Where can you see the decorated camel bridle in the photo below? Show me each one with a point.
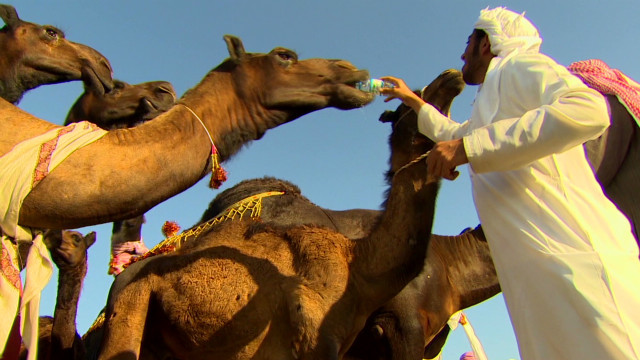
(218, 173)
(414, 161)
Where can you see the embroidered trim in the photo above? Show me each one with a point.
(251, 204)
(123, 253)
(9, 270)
(46, 151)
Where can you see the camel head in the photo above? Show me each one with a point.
(68, 248)
(124, 106)
(290, 84)
(34, 55)
(439, 93)
(127, 230)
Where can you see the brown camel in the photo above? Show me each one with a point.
(458, 272)
(281, 292)
(58, 337)
(237, 102)
(125, 106)
(34, 55)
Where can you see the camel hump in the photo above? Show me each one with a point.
(245, 189)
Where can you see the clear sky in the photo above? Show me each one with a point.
(338, 158)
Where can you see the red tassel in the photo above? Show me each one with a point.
(218, 173)
(170, 228)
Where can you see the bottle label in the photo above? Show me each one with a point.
(373, 85)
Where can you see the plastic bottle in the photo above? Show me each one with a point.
(373, 85)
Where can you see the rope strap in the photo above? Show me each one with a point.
(218, 173)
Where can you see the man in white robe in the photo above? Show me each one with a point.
(565, 256)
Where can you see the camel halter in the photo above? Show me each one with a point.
(414, 161)
(218, 173)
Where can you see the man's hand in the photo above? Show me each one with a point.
(445, 157)
(401, 91)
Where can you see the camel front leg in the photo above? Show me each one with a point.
(125, 321)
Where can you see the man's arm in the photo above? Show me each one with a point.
(565, 113)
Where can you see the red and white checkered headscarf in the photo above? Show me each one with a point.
(599, 76)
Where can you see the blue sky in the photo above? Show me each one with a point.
(338, 158)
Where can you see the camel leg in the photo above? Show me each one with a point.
(124, 323)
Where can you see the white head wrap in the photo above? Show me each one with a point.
(509, 33)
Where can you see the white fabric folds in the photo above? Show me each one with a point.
(17, 178)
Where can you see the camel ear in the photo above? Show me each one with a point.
(235, 47)
(388, 116)
(10, 16)
(90, 238)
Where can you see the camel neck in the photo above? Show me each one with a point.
(394, 252)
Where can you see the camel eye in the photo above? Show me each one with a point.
(52, 33)
(77, 239)
(287, 56)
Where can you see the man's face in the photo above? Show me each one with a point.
(473, 70)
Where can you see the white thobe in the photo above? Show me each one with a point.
(565, 256)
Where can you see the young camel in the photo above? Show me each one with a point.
(246, 290)
(30, 59)
(58, 337)
(135, 169)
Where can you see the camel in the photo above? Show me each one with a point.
(34, 55)
(278, 292)
(236, 102)
(614, 157)
(125, 106)
(458, 271)
(58, 337)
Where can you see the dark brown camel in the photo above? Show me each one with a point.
(290, 292)
(457, 273)
(135, 169)
(125, 106)
(58, 337)
(614, 157)
(34, 55)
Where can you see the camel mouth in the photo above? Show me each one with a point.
(98, 84)
(352, 97)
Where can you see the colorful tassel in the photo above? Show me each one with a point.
(170, 228)
(218, 173)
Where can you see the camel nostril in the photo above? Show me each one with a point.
(168, 89)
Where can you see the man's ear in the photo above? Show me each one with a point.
(485, 46)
